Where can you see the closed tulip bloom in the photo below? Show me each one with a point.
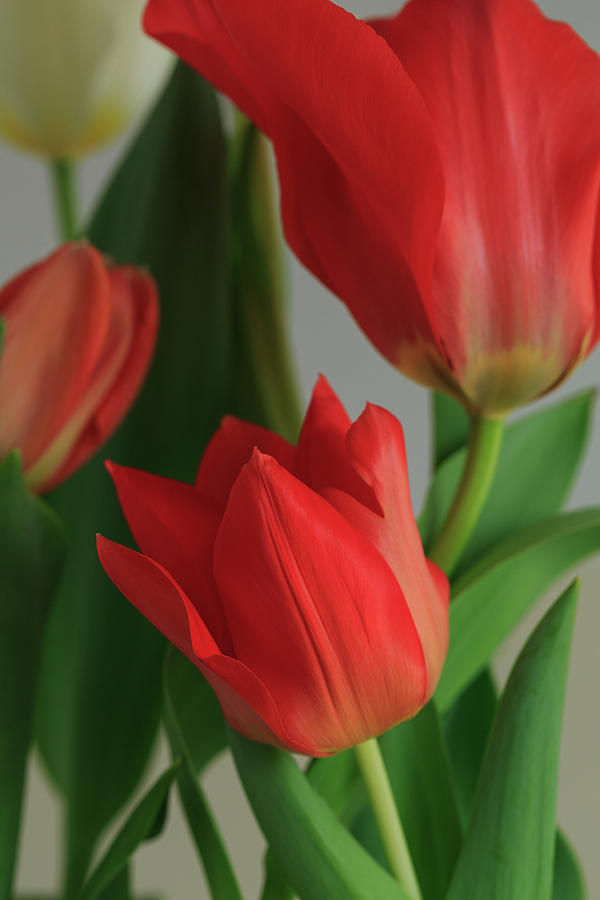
(78, 336)
(73, 73)
(292, 577)
(440, 172)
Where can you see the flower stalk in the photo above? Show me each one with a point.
(375, 776)
(63, 181)
(485, 441)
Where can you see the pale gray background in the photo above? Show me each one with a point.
(326, 341)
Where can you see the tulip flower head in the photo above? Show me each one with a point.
(440, 172)
(73, 73)
(292, 577)
(78, 339)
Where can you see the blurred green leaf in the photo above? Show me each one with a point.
(539, 459)
(190, 713)
(139, 827)
(568, 879)
(494, 595)
(265, 388)
(509, 848)
(166, 208)
(32, 549)
(317, 855)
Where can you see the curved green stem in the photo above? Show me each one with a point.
(63, 172)
(485, 441)
(375, 776)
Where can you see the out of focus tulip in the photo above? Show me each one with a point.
(293, 577)
(78, 339)
(440, 172)
(73, 73)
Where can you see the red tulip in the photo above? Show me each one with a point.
(78, 339)
(292, 577)
(439, 171)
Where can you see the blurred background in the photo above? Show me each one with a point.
(326, 340)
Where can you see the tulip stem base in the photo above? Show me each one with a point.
(63, 172)
(375, 776)
(485, 441)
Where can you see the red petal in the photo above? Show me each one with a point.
(362, 185)
(154, 592)
(515, 100)
(246, 702)
(121, 368)
(376, 447)
(314, 612)
(230, 448)
(321, 459)
(56, 317)
(175, 525)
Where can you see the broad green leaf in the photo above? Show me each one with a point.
(32, 548)
(138, 828)
(450, 427)
(467, 726)
(494, 595)
(119, 887)
(165, 209)
(568, 879)
(337, 780)
(317, 855)
(421, 779)
(539, 459)
(189, 708)
(508, 851)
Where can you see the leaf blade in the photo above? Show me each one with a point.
(509, 847)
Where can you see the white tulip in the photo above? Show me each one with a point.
(74, 73)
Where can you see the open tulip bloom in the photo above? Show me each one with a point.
(293, 577)
(439, 172)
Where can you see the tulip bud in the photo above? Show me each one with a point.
(292, 577)
(73, 73)
(78, 339)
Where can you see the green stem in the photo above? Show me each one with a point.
(63, 180)
(485, 441)
(375, 776)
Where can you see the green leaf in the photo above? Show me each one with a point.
(317, 855)
(166, 209)
(539, 459)
(450, 427)
(421, 779)
(265, 382)
(337, 780)
(467, 726)
(189, 706)
(509, 848)
(191, 701)
(138, 828)
(493, 596)
(568, 879)
(32, 549)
